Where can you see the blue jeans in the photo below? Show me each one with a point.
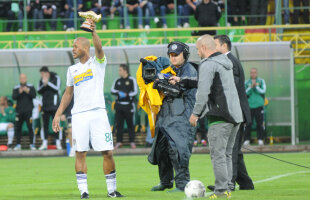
(149, 13)
(187, 12)
(149, 138)
(137, 10)
(37, 14)
(103, 11)
(181, 14)
(286, 12)
(53, 19)
(69, 14)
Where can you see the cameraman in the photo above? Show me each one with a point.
(174, 135)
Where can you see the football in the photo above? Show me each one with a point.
(195, 189)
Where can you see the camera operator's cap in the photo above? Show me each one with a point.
(175, 48)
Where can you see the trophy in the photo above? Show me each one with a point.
(89, 15)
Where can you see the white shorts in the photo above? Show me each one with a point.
(4, 126)
(93, 126)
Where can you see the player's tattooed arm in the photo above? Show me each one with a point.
(97, 42)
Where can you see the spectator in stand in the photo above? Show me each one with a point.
(36, 7)
(6, 12)
(207, 14)
(296, 13)
(7, 117)
(102, 7)
(69, 14)
(164, 5)
(125, 89)
(21, 14)
(258, 7)
(48, 87)
(149, 10)
(133, 6)
(286, 11)
(23, 94)
(189, 8)
(116, 6)
(238, 8)
(49, 11)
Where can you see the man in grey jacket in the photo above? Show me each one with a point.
(217, 98)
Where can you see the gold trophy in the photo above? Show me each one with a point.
(89, 15)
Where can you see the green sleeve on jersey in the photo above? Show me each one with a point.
(101, 60)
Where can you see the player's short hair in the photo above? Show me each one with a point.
(44, 69)
(125, 67)
(224, 39)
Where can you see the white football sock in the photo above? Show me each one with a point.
(111, 182)
(10, 135)
(82, 183)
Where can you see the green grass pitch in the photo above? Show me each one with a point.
(54, 178)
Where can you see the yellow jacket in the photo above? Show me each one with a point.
(150, 99)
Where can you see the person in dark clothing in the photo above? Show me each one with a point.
(174, 136)
(5, 11)
(103, 8)
(258, 7)
(305, 3)
(240, 174)
(132, 6)
(207, 14)
(125, 89)
(23, 93)
(238, 8)
(48, 87)
(49, 11)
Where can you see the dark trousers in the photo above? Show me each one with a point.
(240, 174)
(258, 115)
(201, 129)
(305, 13)
(122, 113)
(167, 161)
(258, 7)
(46, 115)
(19, 120)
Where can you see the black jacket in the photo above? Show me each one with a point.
(50, 92)
(239, 81)
(24, 101)
(127, 85)
(207, 14)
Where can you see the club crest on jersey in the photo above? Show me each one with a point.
(78, 79)
(127, 83)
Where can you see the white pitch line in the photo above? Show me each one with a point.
(277, 177)
(280, 176)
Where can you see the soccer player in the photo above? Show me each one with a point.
(89, 117)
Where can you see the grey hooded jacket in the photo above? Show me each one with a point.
(217, 95)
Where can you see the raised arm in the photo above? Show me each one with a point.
(97, 42)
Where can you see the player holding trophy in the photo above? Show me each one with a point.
(89, 117)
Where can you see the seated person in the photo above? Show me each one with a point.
(6, 12)
(133, 6)
(7, 117)
(69, 14)
(103, 9)
(49, 11)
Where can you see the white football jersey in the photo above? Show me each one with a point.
(88, 80)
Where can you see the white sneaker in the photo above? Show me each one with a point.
(104, 27)
(179, 26)
(32, 147)
(58, 145)
(121, 26)
(165, 26)
(260, 142)
(43, 147)
(140, 26)
(147, 27)
(127, 27)
(20, 30)
(17, 147)
(246, 143)
(186, 25)
(156, 20)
